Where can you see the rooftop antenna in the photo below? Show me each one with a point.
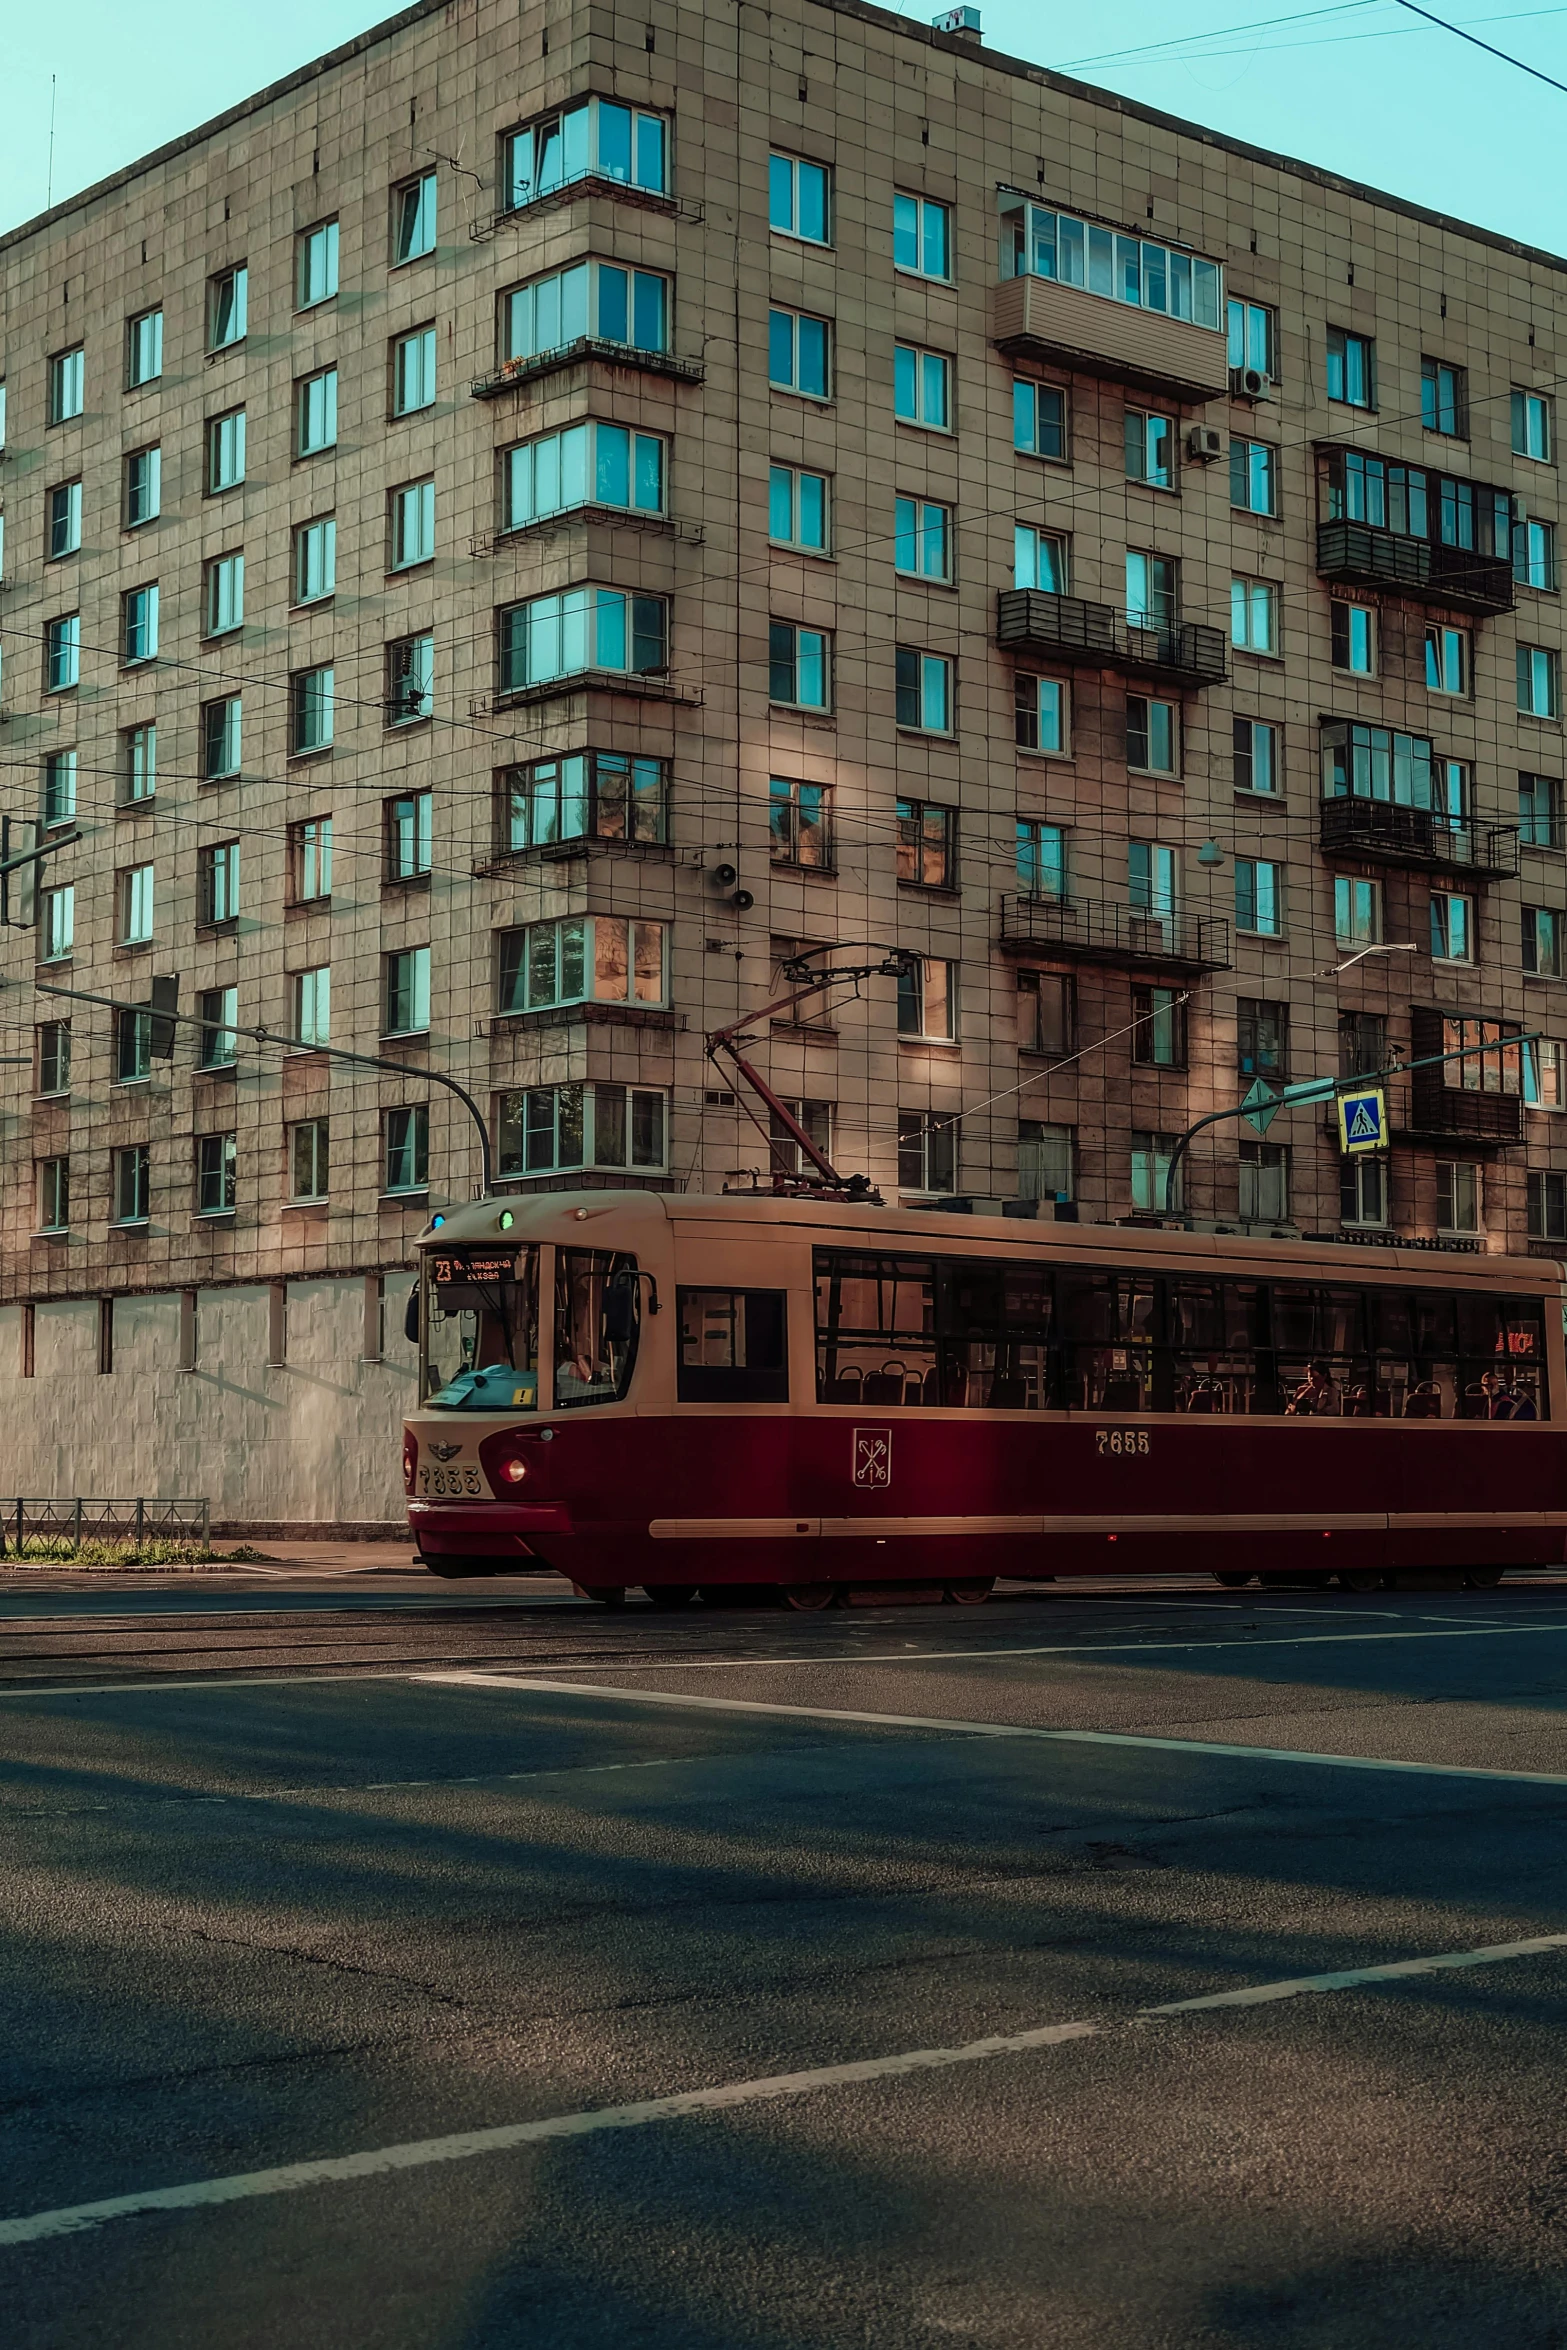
(49, 183)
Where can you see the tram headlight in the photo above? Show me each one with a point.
(513, 1470)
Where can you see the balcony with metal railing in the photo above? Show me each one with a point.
(1037, 625)
(1410, 531)
(1421, 838)
(1093, 930)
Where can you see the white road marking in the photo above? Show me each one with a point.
(950, 1724)
(461, 2146)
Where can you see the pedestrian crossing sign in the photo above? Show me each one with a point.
(1362, 1121)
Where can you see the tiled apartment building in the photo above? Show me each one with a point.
(535, 518)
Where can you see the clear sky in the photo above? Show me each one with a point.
(1361, 87)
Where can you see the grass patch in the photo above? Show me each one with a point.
(56, 1550)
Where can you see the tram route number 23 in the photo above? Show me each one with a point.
(1120, 1440)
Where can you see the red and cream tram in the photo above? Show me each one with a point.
(684, 1393)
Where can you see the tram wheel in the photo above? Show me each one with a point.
(1484, 1578)
(972, 1592)
(604, 1594)
(808, 1599)
(670, 1595)
(1360, 1578)
(1230, 1578)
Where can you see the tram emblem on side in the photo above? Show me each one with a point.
(873, 1456)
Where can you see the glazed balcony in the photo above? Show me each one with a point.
(1039, 626)
(1038, 318)
(1092, 930)
(1412, 532)
(1354, 554)
(1419, 838)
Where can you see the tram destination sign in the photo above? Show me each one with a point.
(471, 1264)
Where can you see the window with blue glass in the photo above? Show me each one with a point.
(586, 465)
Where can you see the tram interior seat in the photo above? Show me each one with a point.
(1122, 1395)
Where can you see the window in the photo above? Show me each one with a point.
(54, 1195)
(409, 835)
(797, 203)
(310, 711)
(143, 487)
(1159, 1039)
(579, 629)
(1262, 1038)
(1151, 1156)
(1259, 897)
(1153, 877)
(927, 1151)
(589, 795)
(138, 625)
(65, 519)
(1152, 590)
(800, 823)
(226, 307)
(138, 764)
(413, 525)
(1045, 1006)
(315, 560)
(1447, 659)
(928, 1000)
(2, 411)
(54, 1056)
(1254, 615)
(310, 852)
(217, 1174)
(1539, 681)
(1043, 714)
(1253, 336)
(797, 509)
(1038, 242)
(410, 680)
(1256, 756)
(797, 353)
(1254, 476)
(315, 265)
(133, 893)
(1363, 1191)
(1457, 1196)
(406, 1000)
(1353, 638)
(225, 597)
(551, 1128)
(1039, 419)
(1040, 559)
(923, 690)
(313, 1005)
(309, 1159)
(57, 924)
(1547, 1206)
(1150, 449)
(217, 882)
(1532, 433)
(584, 958)
(220, 739)
(733, 1346)
(1444, 398)
(923, 539)
(1351, 369)
(593, 139)
(413, 219)
(405, 1138)
(1375, 763)
(1041, 860)
(921, 236)
(1540, 812)
(218, 1045)
(591, 299)
(413, 371)
(1534, 555)
(133, 1184)
(67, 385)
(63, 652)
(1542, 942)
(1264, 1183)
(316, 412)
(1452, 928)
(785, 1157)
(1153, 735)
(225, 451)
(1357, 911)
(1046, 1161)
(921, 382)
(927, 845)
(586, 465)
(59, 787)
(798, 666)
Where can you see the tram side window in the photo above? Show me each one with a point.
(598, 1317)
(996, 1324)
(733, 1346)
(1107, 1334)
(875, 1329)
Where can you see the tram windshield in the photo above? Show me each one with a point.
(479, 1350)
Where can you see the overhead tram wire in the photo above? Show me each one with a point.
(1458, 32)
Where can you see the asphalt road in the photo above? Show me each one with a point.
(396, 1968)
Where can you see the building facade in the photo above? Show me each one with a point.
(525, 526)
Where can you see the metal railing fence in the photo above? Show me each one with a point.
(80, 1520)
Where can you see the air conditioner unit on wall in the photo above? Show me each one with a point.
(1204, 443)
(1249, 383)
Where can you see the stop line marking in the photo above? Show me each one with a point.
(463, 2145)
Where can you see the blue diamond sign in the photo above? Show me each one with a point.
(1362, 1121)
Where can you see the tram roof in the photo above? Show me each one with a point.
(609, 1219)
